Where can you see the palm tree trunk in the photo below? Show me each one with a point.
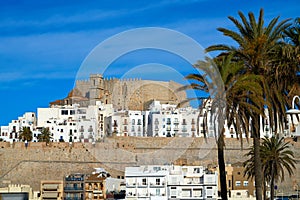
(272, 183)
(257, 165)
(222, 170)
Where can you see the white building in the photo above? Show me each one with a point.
(11, 132)
(126, 123)
(166, 120)
(170, 182)
(74, 123)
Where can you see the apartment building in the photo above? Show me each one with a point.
(18, 192)
(170, 182)
(146, 182)
(165, 120)
(239, 186)
(126, 123)
(74, 187)
(95, 186)
(11, 132)
(51, 189)
(72, 123)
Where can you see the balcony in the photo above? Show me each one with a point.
(131, 185)
(184, 123)
(176, 122)
(75, 178)
(184, 130)
(168, 122)
(154, 185)
(73, 198)
(73, 189)
(193, 129)
(141, 185)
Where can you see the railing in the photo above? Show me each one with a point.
(73, 198)
(73, 188)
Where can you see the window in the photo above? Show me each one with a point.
(196, 170)
(238, 183)
(144, 181)
(229, 183)
(197, 192)
(133, 121)
(72, 112)
(186, 193)
(245, 183)
(64, 112)
(157, 181)
(157, 192)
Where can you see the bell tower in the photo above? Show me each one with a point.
(96, 88)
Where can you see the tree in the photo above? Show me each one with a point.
(45, 135)
(276, 157)
(237, 84)
(25, 134)
(258, 47)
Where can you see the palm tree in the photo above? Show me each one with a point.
(25, 134)
(236, 84)
(291, 53)
(45, 136)
(276, 157)
(200, 82)
(258, 47)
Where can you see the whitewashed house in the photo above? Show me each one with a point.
(170, 182)
(11, 132)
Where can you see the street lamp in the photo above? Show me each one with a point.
(294, 111)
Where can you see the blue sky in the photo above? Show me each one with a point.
(43, 43)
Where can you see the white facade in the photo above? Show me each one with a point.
(126, 123)
(72, 123)
(293, 125)
(170, 182)
(11, 132)
(168, 121)
(146, 182)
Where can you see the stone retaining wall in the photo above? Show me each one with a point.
(47, 162)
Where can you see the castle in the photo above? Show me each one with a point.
(123, 94)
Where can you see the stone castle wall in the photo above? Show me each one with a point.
(133, 94)
(40, 162)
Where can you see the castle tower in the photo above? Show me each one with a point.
(96, 88)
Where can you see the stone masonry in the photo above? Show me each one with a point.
(41, 162)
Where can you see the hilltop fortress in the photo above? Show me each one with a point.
(123, 94)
